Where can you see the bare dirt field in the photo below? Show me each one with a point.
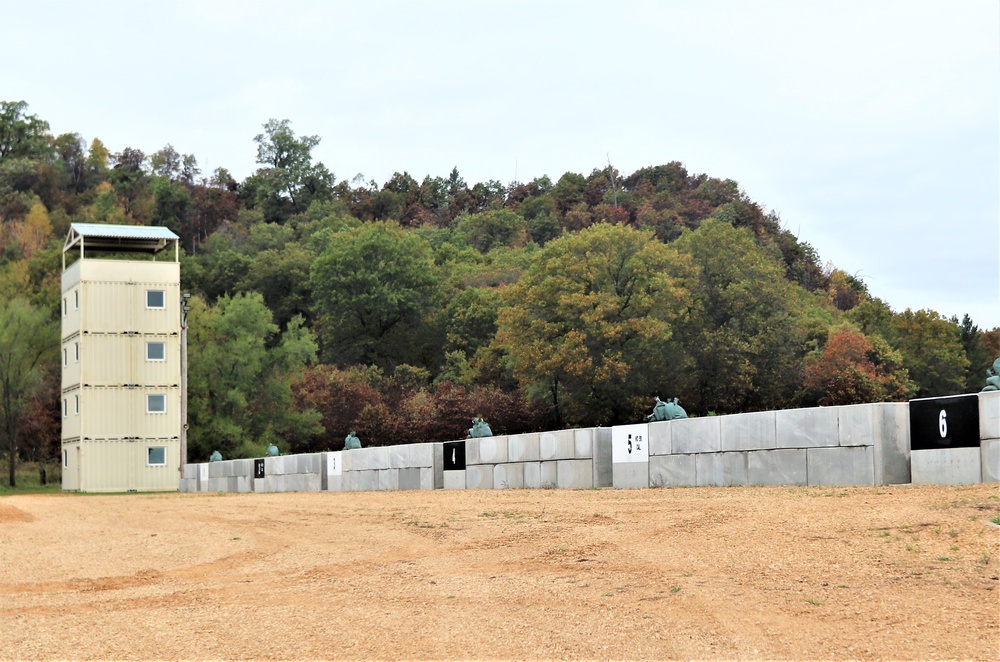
(711, 573)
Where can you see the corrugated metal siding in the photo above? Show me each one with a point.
(115, 360)
(120, 466)
(115, 412)
(71, 422)
(71, 472)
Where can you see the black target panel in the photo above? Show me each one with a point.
(454, 456)
(944, 423)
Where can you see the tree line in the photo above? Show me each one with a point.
(402, 310)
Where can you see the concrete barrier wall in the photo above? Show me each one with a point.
(852, 445)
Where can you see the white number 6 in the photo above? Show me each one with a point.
(943, 423)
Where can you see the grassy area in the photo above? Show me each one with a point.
(28, 479)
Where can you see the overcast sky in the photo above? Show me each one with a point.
(871, 127)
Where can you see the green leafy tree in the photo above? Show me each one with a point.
(744, 336)
(29, 338)
(490, 229)
(22, 135)
(290, 181)
(589, 324)
(976, 352)
(240, 378)
(374, 288)
(932, 352)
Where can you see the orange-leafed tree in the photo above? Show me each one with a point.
(853, 368)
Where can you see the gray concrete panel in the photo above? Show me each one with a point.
(857, 424)
(673, 470)
(366, 481)
(523, 448)
(720, 469)
(892, 444)
(748, 432)
(989, 415)
(603, 470)
(421, 455)
(378, 457)
(508, 476)
(309, 463)
(334, 483)
(696, 435)
(583, 444)
(532, 475)
(493, 450)
(807, 428)
(216, 470)
(575, 474)
(261, 485)
(628, 475)
(454, 480)
(409, 478)
(191, 470)
(427, 479)
(388, 479)
(947, 466)
(479, 477)
(472, 451)
(438, 469)
(558, 445)
(844, 465)
(659, 438)
(783, 466)
(989, 453)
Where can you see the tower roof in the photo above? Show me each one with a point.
(119, 238)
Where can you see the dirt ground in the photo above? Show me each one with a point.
(710, 573)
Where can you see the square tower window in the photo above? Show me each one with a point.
(156, 456)
(156, 351)
(156, 299)
(156, 403)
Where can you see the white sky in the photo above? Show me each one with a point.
(871, 127)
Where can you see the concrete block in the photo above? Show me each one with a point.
(215, 469)
(783, 466)
(261, 485)
(659, 438)
(333, 464)
(696, 435)
(400, 457)
(438, 468)
(479, 477)
(409, 478)
(453, 480)
(273, 466)
(575, 474)
(378, 457)
(310, 463)
(630, 443)
(672, 470)
(472, 451)
(427, 478)
(334, 483)
(540, 475)
(719, 469)
(421, 455)
(583, 444)
(227, 468)
(807, 428)
(748, 432)
(508, 476)
(630, 474)
(989, 452)
(558, 445)
(388, 479)
(947, 466)
(603, 464)
(232, 484)
(892, 444)
(493, 450)
(523, 448)
(244, 468)
(989, 415)
(191, 470)
(365, 481)
(845, 465)
(857, 425)
(244, 484)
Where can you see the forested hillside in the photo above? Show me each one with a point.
(403, 309)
